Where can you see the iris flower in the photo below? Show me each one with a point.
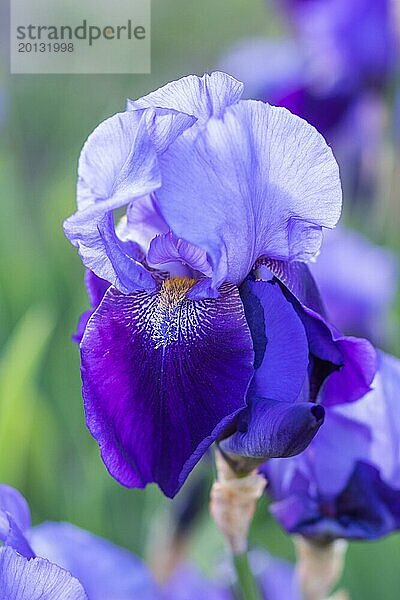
(347, 482)
(58, 561)
(334, 73)
(281, 71)
(356, 40)
(344, 54)
(358, 281)
(211, 326)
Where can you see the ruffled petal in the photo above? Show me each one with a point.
(330, 468)
(108, 157)
(324, 354)
(202, 97)
(167, 248)
(271, 429)
(280, 342)
(389, 438)
(118, 164)
(92, 229)
(259, 181)
(368, 508)
(103, 157)
(162, 378)
(106, 571)
(35, 579)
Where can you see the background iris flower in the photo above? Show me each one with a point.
(58, 561)
(212, 326)
(337, 71)
(358, 282)
(276, 580)
(355, 493)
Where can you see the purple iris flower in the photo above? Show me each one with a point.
(333, 74)
(347, 482)
(60, 561)
(352, 44)
(212, 326)
(279, 71)
(358, 282)
(276, 580)
(343, 56)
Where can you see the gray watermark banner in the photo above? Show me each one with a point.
(80, 36)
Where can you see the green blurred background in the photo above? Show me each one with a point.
(45, 450)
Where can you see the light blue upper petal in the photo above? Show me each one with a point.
(119, 164)
(108, 158)
(201, 97)
(258, 181)
(35, 579)
(106, 571)
(103, 156)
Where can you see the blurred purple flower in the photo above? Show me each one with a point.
(59, 560)
(352, 45)
(358, 282)
(212, 326)
(333, 74)
(276, 579)
(347, 483)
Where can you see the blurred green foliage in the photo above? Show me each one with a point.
(45, 449)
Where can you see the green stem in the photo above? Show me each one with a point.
(245, 578)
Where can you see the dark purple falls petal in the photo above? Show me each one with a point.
(273, 429)
(163, 376)
(275, 424)
(280, 342)
(96, 287)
